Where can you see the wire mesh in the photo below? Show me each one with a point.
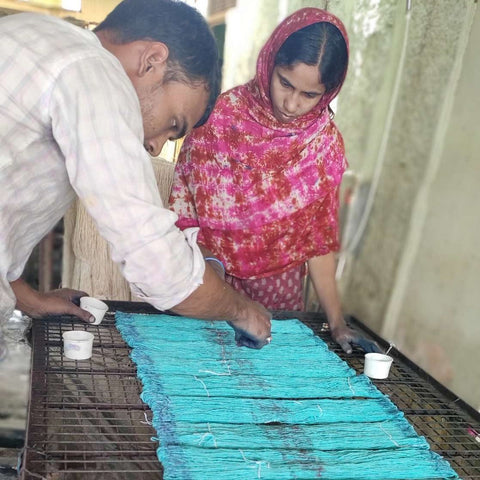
(86, 419)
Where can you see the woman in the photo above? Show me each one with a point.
(261, 178)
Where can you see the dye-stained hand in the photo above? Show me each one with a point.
(252, 323)
(247, 339)
(346, 337)
(368, 346)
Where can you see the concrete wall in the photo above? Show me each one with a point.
(414, 273)
(408, 113)
(434, 308)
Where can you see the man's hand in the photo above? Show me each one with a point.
(216, 300)
(346, 337)
(254, 329)
(63, 301)
(245, 339)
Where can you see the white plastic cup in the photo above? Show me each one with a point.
(96, 307)
(377, 365)
(77, 344)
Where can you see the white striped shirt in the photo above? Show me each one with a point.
(70, 117)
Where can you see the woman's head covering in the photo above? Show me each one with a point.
(266, 59)
(264, 193)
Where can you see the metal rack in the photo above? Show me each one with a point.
(86, 419)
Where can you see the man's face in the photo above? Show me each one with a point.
(170, 111)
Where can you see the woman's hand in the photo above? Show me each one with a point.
(63, 301)
(346, 337)
(322, 273)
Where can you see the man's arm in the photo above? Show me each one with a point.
(216, 300)
(213, 300)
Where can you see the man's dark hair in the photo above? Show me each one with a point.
(193, 53)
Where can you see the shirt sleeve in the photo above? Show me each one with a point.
(96, 122)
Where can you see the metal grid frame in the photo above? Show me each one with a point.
(86, 419)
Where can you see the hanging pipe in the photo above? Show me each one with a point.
(352, 245)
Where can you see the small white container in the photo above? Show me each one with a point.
(377, 365)
(77, 344)
(96, 307)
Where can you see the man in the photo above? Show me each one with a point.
(78, 112)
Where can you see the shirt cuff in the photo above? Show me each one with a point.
(174, 291)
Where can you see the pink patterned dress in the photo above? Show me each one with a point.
(264, 194)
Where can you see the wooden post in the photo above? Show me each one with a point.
(45, 263)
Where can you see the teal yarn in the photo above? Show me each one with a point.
(292, 410)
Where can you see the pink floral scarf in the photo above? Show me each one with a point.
(264, 194)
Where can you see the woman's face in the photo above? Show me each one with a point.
(295, 90)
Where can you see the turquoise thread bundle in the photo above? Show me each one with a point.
(293, 410)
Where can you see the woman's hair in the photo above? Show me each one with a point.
(193, 53)
(319, 44)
